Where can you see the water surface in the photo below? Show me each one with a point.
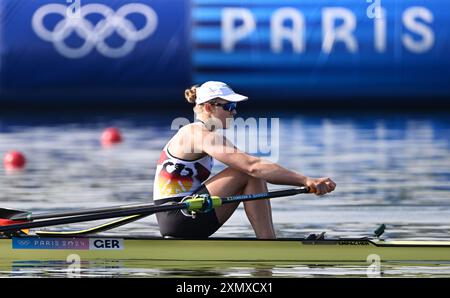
(390, 168)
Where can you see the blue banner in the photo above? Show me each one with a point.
(321, 48)
(120, 52)
(94, 51)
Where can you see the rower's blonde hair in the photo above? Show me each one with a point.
(190, 95)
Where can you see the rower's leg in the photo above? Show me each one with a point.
(259, 212)
(228, 182)
(232, 182)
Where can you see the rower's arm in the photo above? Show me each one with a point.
(224, 151)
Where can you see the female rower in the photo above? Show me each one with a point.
(186, 161)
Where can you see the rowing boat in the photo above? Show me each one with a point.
(221, 249)
(87, 245)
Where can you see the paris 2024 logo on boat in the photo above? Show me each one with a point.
(68, 243)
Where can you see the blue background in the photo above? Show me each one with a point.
(186, 48)
(32, 70)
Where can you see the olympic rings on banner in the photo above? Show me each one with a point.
(95, 35)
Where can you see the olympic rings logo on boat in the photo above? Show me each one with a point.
(95, 35)
(24, 242)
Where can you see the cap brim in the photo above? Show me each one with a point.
(234, 97)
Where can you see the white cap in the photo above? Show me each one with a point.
(212, 89)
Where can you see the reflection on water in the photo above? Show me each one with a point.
(138, 268)
(390, 168)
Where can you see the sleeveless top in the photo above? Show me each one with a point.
(177, 177)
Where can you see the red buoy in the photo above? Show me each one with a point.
(111, 136)
(14, 160)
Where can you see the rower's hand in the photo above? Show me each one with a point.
(320, 186)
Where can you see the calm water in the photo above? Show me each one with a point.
(390, 168)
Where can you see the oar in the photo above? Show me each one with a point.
(21, 215)
(202, 203)
(6, 213)
(93, 230)
(26, 215)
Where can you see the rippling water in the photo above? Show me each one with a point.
(389, 168)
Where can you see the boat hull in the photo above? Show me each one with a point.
(226, 250)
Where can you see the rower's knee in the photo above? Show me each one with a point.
(257, 181)
(250, 180)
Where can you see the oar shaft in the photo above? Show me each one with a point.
(30, 216)
(91, 217)
(266, 195)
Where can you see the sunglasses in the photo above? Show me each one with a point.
(230, 106)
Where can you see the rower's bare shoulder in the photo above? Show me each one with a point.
(191, 129)
(188, 133)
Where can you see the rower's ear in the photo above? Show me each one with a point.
(208, 108)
